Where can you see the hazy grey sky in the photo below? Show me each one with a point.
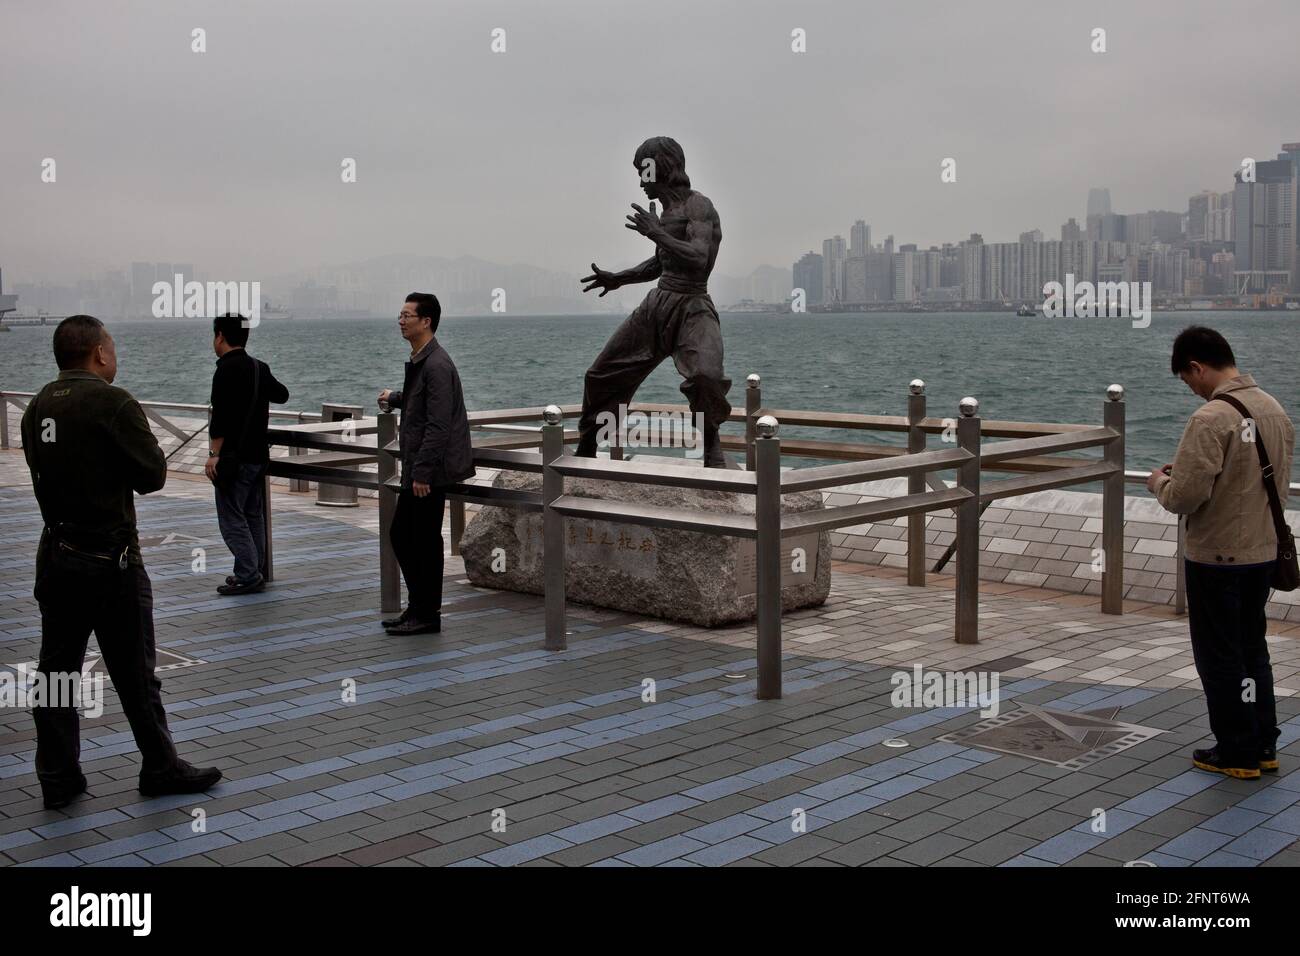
(230, 159)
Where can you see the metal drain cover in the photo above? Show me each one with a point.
(1067, 739)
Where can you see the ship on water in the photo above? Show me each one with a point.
(274, 312)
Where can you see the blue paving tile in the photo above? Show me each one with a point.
(1235, 821)
(533, 849)
(1271, 800)
(117, 848)
(737, 848)
(718, 789)
(192, 847)
(1064, 847)
(1196, 844)
(1224, 858)
(342, 808)
(305, 770)
(1152, 802)
(277, 824)
(18, 838)
(1190, 782)
(49, 831)
(653, 854)
(825, 753)
(303, 801)
(847, 806)
(1260, 843)
(597, 828)
(725, 829)
(1288, 821)
(663, 807)
(1117, 821)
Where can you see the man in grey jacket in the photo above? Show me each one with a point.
(436, 452)
(1217, 481)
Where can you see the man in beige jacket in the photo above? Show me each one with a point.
(1217, 482)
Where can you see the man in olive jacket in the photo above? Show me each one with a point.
(89, 448)
(1216, 481)
(436, 452)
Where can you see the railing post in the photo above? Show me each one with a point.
(298, 484)
(1180, 571)
(4, 421)
(615, 446)
(457, 523)
(968, 526)
(268, 561)
(916, 485)
(753, 402)
(390, 579)
(1112, 508)
(767, 552)
(553, 558)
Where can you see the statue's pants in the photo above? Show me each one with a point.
(681, 324)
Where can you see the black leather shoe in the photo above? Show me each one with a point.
(413, 625)
(56, 798)
(181, 778)
(400, 619)
(252, 587)
(1212, 761)
(1268, 760)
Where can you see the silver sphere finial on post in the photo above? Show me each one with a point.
(916, 387)
(969, 407)
(1115, 393)
(766, 426)
(753, 381)
(552, 415)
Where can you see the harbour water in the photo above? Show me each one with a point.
(1019, 368)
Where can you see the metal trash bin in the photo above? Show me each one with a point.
(338, 496)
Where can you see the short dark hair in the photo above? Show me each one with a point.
(233, 328)
(1196, 343)
(75, 338)
(427, 306)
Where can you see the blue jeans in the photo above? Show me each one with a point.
(241, 517)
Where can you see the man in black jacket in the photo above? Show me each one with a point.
(89, 446)
(436, 452)
(242, 390)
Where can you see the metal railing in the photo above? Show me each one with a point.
(509, 440)
(152, 410)
(517, 446)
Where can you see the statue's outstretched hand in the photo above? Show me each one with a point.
(644, 221)
(600, 279)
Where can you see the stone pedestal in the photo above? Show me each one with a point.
(701, 579)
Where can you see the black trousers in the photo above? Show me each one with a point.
(1225, 607)
(416, 533)
(683, 325)
(121, 616)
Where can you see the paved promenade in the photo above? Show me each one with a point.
(477, 748)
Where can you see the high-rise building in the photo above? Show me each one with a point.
(972, 268)
(1033, 235)
(1070, 231)
(834, 254)
(808, 276)
(1098, 202)
(1264, 227)
(859, 240)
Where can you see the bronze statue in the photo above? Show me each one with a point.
(677, 317)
